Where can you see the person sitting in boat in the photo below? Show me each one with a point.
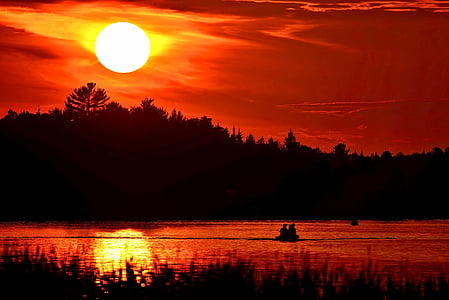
(292, 232)
(283, 232)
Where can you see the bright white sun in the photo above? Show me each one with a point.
(122, 47)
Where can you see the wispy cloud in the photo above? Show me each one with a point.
(324, 6)
(293, 32)
(337, 108)
(11, 44)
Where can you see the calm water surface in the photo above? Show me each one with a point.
(421, 246)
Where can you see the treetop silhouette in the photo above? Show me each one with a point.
(340, 150)
(84, 101)
(290, 141)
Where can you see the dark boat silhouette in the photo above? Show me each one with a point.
(287, 234)
(354, 222)
(287, 239)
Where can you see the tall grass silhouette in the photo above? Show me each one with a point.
(26, 274)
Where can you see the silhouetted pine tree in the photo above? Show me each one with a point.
(83, 101)
(386, 155)
(149, 112)
(250, 140)
(177, 117)
(290, 141)
(11, 115)
(340, 150)
(239, 137)
(273, 144)
(232, 136)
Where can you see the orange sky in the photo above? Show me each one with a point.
(374, 74)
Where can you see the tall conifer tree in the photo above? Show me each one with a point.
(83, 101)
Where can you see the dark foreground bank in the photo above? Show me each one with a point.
(35, 275)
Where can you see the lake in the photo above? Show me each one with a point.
(421, 246)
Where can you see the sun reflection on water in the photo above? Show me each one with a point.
(113, 249)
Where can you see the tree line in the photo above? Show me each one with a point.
(96, 159)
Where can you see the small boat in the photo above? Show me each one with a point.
(354, 222)
(287, 239)
(287, 234)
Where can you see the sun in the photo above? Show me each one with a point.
(122, 47)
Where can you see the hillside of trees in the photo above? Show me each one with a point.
(97, 160)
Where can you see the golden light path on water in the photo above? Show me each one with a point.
(113, 249)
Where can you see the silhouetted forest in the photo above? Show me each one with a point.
(110, 162)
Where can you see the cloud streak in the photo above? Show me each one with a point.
(293, 31)
(341, 108)
(323, 6)
(23, 47)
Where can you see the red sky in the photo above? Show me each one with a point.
(373, 75)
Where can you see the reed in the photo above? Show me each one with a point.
(26, 274)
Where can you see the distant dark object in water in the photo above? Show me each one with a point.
(354, 222)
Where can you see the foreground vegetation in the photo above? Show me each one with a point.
(25, 275)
